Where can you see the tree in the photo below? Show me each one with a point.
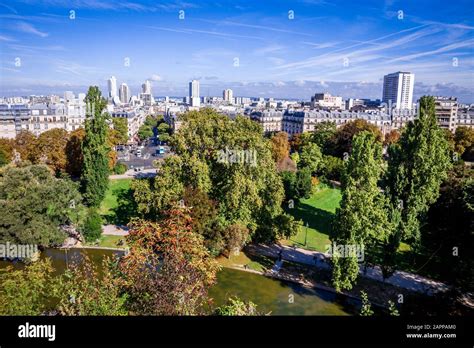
(6, 151)
(323, 136)
(26, 291)
(95, 174)
(52, 148)
(92, 228)
(447, 235)
(204, 214)
(84, 290)
(121, 127)
(310, 157)
(361, 219)
(391, 137)
(75, 159)
(343, 138)
(289, 183)
(34, 204)
(25, 145)
(417, 165)
(332, 167)
(280, 146)
(168, 270)
(230, 161)
(299, 140)
(235, 237)
(303, 186)
(237, 307)
(464, 140)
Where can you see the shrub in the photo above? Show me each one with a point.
(92, 226)
(120, 168)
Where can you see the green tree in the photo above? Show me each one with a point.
(121, 127)
(323, 136)
(27, 291)
(361, 219)
(34, 204)
(303, 186)
(310, 157)
(417, 165)
(230, 161)
(92, 228)
(447, 236)
(85, 290)
(95, 149)
(464, 139)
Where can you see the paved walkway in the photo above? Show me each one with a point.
(130, 174)
(401, 279)
(115, 230)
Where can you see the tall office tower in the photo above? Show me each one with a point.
(194, 93)
(398, 87)
(228, 96)
(112, 83)
(124, 93)
(146, 87)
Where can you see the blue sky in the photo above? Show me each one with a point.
(344, 47)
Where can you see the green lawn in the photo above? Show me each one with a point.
(110, 241)
(118, 205)
(316, 212)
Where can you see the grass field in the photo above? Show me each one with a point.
(117, 204)
(110, 241)
(316, 213)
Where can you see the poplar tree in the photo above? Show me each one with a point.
(95, 171)
(418, 164)
(361, 219)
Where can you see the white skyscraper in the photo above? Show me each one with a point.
(124, 93)
(194, 93)
(398, 87)
(228, 96)
(112, 83)
(146, 87)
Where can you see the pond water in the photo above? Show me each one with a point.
(271, 296)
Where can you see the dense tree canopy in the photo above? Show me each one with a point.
(34, 204)
(231, 162)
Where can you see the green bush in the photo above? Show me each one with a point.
(120, 168)
(92, 226)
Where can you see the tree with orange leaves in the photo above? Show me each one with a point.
(168, 269)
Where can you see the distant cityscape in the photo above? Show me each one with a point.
(396, 107)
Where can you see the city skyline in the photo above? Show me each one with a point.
(282, 51)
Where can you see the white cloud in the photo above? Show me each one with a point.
(30, 29)
(155, 78)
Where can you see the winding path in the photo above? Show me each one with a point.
(401, 279)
